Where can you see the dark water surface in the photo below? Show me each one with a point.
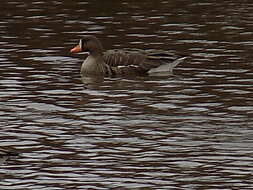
(190, 130)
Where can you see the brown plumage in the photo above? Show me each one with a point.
(123, 62)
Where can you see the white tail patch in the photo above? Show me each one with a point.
(167, 67)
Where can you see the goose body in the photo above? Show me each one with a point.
(123, 62)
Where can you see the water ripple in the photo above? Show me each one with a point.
(190, 130)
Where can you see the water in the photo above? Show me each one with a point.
(190, 130)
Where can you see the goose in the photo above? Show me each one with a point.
(123, 62)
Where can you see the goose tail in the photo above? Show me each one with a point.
(167, 67)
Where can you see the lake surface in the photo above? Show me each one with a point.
(189, 130)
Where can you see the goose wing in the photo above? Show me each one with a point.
(145, 60)
(129, 61)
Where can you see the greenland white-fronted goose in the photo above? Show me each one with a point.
(4, 155)
(123, 62)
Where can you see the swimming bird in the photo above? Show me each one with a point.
(4, 155)
(123, 62)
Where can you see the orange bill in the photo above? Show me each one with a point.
(76, 49)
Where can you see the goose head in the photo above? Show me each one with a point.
(89, 44)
